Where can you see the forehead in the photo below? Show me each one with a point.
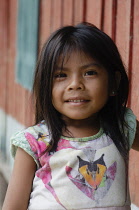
(75, 57)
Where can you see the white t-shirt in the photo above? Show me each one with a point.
(84, 173)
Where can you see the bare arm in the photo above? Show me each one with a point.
(19, 189)
(135, 145)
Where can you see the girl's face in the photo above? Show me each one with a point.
(80, 88)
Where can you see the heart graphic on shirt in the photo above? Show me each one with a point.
(94, 179)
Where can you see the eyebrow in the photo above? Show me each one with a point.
(89, 65)
(81, 67)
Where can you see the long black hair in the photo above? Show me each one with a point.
(88, 39)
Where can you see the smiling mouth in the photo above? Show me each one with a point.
(77, 101)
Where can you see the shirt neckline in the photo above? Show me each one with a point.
(84, 139)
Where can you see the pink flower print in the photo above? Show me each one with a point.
(64, 144)
(44, 158)
(38, 147)
(45, 175)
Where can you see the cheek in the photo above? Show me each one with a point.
(101, 87)
(102, 91)
(53, 95)
(56, 94)
(105, 84)
(55, 91)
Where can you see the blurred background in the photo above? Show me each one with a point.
(24, 27)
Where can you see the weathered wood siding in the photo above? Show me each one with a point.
(118, 18)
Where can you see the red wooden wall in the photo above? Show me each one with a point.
(13, 98)
(118, 18)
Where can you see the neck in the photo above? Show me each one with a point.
(82, 128)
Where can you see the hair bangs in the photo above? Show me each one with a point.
(67, 48)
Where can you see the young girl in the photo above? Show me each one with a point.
(76, 156)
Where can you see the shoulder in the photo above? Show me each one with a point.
(131, 124)
(34, 140)
(135, 145)
(129, 116)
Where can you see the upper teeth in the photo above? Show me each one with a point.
(76, 101)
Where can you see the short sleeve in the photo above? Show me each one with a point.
(33, 140)
(19, 140)
(130, 131)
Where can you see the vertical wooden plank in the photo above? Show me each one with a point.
(135, 62)
(27, 41)
(134, 176)
(44, 21)
(3, 52)
(16, 94)
(3, 72)
(108, 17)
(134, 103)
(29, 113)
(56, 17)
(11, 109)
(123, 28)
(67, 12)
(20, 101)
(78, 11)
(94, 12)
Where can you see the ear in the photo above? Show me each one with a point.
(117, 83)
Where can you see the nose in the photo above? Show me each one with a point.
(76, 83)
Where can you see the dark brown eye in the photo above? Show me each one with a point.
(90, 73)
(60, 75)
